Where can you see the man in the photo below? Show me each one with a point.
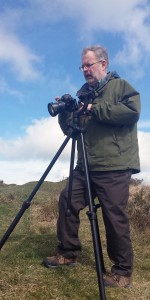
(112, 152)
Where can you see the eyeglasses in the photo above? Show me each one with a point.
(87, 66)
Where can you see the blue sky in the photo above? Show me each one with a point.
(40, 53)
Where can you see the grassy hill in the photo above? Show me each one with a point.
(22, 275)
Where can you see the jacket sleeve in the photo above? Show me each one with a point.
(121, 106)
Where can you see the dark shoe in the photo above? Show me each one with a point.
(116, 280)
(58, 260)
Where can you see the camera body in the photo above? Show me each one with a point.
(66, 103)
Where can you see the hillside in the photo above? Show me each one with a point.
(23, 276)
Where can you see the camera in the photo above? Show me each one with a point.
(66, 103)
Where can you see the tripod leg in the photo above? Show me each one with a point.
(27, 202)
(94, 226)
(99, 240)
(71, 178)
(100, 248)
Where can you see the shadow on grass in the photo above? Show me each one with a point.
(38, 246)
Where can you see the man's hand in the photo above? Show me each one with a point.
(57, 98)
(82, 104)
(89, 106)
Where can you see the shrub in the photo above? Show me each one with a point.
(139, 206)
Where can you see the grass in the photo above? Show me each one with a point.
(23, 277)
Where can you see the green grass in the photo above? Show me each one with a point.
(23, 277)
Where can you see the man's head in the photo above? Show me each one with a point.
(94, 64)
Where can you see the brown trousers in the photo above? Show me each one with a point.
(112, 190)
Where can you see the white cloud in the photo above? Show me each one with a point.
(42, 139)
(19, 56)
(144, 150)
(20, 172)
(26, 158)
(144, 147)
(144, 176)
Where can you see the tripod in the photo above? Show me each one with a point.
(92, 213)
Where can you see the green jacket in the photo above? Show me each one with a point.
(111, 128)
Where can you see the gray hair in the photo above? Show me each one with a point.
(100, 52)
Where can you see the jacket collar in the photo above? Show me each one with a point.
(88, 91)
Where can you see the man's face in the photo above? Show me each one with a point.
(95, 72)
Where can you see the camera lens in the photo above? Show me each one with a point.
(55, 108)
(52, 109)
